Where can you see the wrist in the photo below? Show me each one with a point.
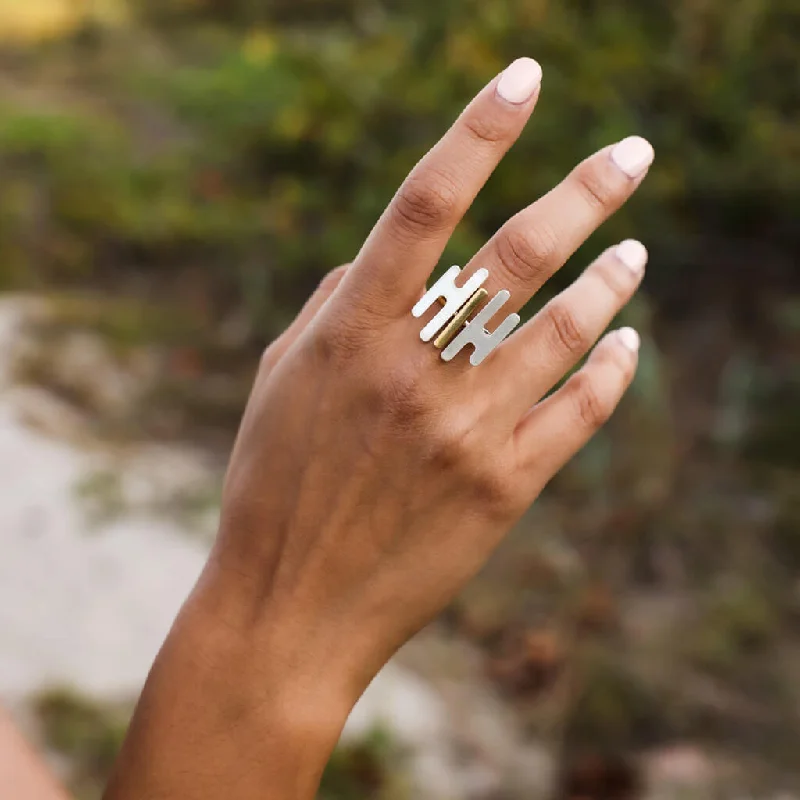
(230, 706)
(277, 654)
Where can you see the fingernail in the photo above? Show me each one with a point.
(629, 339)
(633, 155)
(520, 81)
(633, 255)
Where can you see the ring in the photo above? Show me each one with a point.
(453, 322)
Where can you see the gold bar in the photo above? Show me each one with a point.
(455, 324)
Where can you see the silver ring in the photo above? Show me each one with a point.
(454, 323)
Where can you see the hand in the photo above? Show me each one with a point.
(370, 479)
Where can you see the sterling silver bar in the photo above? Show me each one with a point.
(476, 334)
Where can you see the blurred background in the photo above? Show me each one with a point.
(175, 178)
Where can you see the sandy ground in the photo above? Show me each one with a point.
(81, 605)
(85, 608)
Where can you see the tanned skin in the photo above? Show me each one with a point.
(370, 480)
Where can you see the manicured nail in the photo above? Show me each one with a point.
(633, 155)
(629, 339)
(633, 255)
(520, 81)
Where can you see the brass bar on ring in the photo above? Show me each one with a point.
(455, 324)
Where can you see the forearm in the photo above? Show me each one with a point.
(227, 712)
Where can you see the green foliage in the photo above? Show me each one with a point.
(88, 733)
(262, 155)
(737, 621)
(368, 768)
(614, 708)
(222, 155)
(102, 496)
(103, 499)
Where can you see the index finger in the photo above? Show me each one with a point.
(409, 238)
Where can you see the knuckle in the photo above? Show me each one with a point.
(331, 280)
(608, 277)
(493, 486)
(620, 282)
(592, 409)
(427, 203)
(457, 451)
(625, 364)
(450, 444)
(400, 396)
(486, 129)
(528, 255)
(594, 187)
(336, 342)
(269, 356)
(568, 333)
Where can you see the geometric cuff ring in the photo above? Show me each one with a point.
(454, 322)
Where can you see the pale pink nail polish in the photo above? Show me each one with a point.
(629, 338)
(633, 255)
(633, 155)
(520, 81)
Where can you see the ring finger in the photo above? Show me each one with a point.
(552, 343)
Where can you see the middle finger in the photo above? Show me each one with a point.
(537, 242)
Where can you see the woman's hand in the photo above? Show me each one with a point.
(370, 479)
